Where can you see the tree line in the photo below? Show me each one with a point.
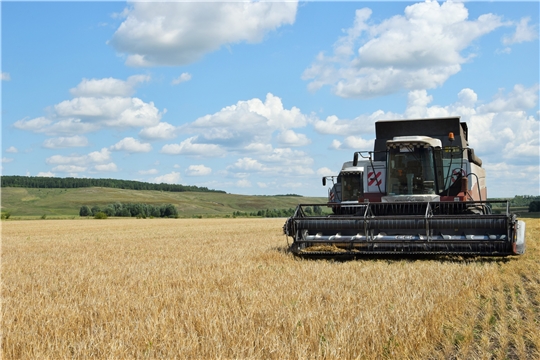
(524, 200)
(270, 213)
(70, 182)
(140, 210)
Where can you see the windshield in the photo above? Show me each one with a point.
(410, 171)
(351, 185)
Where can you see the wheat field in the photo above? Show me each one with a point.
(227, 288)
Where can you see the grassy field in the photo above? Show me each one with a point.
(227, 288)
(62, 203)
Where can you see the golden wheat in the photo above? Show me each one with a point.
(227, 288)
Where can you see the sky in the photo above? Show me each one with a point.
(261, 98)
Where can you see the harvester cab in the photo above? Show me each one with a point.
(347, 187)
(421, 190)
(412, 168)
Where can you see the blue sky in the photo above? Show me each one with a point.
(261, 98)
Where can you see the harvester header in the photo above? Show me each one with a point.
(421, 190)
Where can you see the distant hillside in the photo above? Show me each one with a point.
(61, 202)
(38, 182)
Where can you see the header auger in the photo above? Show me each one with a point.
(420, 191)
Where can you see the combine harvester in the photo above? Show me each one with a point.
(421, 190)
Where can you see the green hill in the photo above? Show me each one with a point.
(32, 202)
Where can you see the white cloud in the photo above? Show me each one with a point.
(12, 149)
(131, 145)
(172, 178)
(99, 103)
(509, 179)
(336, 144)
(69, 127)
(160, 131)
(248, 122)
(291, 138)
(69, 168)
(243, 183)
(108, 87)
(45, 174)
(324, 171)
(258, 148)
(467, 97)
(502, 128)
(65, 142)
(32, 125)
(148, 172)
(418, 105)
(284, 161)
(63, 160)
(110, 111)
(332, 125)
(357, 143)
(522, 136)
(5, 76)
(362, 124)
(99, 156)
(520, 98)
(287, 156)
(6, 160)
(248, 164)
(418, 50)
(179, 33)
(523, 33)
(79, 163)
(352, 142)
(182, 78)
(198, 170)
(191, 147)
(106, 167)
(497, 129)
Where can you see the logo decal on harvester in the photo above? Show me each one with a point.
(456, 173)
(373, 179)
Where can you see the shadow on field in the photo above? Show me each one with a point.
(391, 258)
(439, 258)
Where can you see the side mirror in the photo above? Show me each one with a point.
(324, 181)
(355, 159)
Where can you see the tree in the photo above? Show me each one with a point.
(95, 209)
(117, 209)
(125, 212)
(534, 206)
(137, 209)
(109, 210)
(170, 211)
(100, 215)
(155, 211)
(85, 211)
